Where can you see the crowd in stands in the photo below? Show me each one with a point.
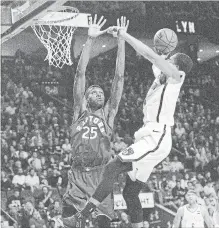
(35, 140)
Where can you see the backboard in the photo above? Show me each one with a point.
(19, 15)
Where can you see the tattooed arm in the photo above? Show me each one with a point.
(79, 82)
(112, 105)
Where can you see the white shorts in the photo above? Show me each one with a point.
(153, 144)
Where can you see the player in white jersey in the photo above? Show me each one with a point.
(152, 142)
(192, 215)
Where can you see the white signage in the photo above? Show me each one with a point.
(185, 26)
(147, 201)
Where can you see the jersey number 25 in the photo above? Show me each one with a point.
(90, 132)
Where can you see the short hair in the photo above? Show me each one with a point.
(90, 89)
(183, 61)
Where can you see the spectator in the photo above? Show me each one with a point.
(57, 148)
(200, 179)
(125, 223)
(11, 109)
(184, 181)
(178, 191)
(36, 220)
(5, 182)
(119, 144)
(35, 162)
(66, 146)
(19, 179)
(15, 200)
(55, 179)
(208, 177)
(55, 209)
(208, 189)
(50, 108)
(27, 93)
(23, 156)
(176, 165)
(65, 164)
(146, 224)
(179, 130)
(166, 164)
(45, 196)
(172, 182)
(43, 211)
(155, 186)
(32, 180)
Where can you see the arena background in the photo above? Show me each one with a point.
(36, 104)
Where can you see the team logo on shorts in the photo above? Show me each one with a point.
(128, 151)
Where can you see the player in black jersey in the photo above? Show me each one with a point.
(92, 129)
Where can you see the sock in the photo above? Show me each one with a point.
(105, 187)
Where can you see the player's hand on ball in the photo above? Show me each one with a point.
(94, 28)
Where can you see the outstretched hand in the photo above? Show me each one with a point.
(122, 25)
(94, 28)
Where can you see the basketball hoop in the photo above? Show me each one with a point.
(56, 36)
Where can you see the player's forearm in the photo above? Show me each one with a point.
(149, 54)
(79, 81)
(85, 56)
(120, 60)
(118, 81)
(140, 47)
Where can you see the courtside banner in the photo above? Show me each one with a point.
(147, 201)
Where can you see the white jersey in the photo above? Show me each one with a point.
(160, 102)
(192, 219)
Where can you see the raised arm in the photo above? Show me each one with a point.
(79, 81)
(207, 218)
(178, 218)
(167, 68)
(112, 104)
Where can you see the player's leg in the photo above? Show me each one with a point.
(105, 187)
(130, 194)
(120, 164)
(141, 171)
(109, 177)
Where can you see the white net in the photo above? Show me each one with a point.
(57, 40)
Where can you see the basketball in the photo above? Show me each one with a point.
(165, 41)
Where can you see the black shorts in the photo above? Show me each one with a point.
(82, 186)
